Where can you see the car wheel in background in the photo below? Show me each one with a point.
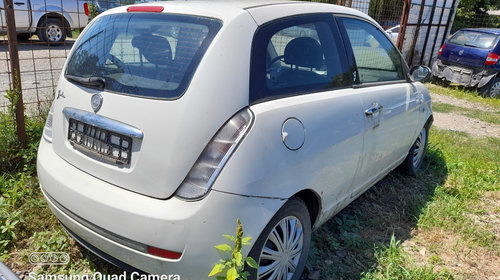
(282, 248)
(415, 157)
(51, 30)
(491, 89)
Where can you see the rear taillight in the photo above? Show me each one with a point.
(441, 50)
(47, 130)
(86, 9)
(491, 59)
(147, 9)
(202, 175)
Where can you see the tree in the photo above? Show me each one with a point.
(474, 13)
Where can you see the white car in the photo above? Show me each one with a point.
(171, 120)
(393, 33)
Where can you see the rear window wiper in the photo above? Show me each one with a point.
(470, 45)
(97, 82)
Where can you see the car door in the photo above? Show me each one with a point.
(21, 13)
(389, 101)
(301, 94)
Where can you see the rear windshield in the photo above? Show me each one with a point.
(142, 54)
(474, 39)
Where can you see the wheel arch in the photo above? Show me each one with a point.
(53, 15)
(313, 203)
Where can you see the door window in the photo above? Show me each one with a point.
(296, 56)
(376, 57)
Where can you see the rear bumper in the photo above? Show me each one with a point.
(463, 75)
(113, 220)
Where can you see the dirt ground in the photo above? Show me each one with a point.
(458, 122)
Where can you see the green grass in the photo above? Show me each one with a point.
(463, 93)
(489, 117)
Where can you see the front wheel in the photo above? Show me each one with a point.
(415, 157)
(282, 248)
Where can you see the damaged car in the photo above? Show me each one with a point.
(471, 58)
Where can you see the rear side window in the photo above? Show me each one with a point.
(297, 55)
(376, 57)
(141, 54)
(474, 39)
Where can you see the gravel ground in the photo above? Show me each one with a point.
(40, 67)
(457, 122)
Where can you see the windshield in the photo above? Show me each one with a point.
(143, 54)
(474, 39)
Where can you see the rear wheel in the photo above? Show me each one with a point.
(282, 248)
(51, 30)
(491, 89)
(415, 157)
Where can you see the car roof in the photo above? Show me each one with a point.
(261, 10)
(495, 31)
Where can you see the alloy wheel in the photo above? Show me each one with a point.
(54, 33)
(418, 152)
(282, 250)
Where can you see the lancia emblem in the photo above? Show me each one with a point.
(96, 102)
(461, 52)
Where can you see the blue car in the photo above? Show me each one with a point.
(471, 58)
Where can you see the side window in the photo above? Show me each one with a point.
(376, 58)
(296, 56)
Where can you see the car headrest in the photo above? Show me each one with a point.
(304, 52)
(156, 49)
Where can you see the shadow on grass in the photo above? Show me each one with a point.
(343, 248)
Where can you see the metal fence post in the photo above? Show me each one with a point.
(15, 71)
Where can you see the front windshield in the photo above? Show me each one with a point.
(144, 54)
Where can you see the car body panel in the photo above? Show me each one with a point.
(172, 224)
(177, 150)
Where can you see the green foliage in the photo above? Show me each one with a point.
(394, 263)
(50, 241)
(473, 13)
(381, 10)
(93, 12)
(12, 157)
(233, 267)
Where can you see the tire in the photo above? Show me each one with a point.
(491, 89)
(52, 31)
(415, 157)
(293, 216)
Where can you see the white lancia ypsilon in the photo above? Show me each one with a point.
(171, 120)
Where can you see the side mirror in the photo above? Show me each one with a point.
(420, 73)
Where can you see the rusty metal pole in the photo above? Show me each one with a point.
(402, 24)
(15, 72)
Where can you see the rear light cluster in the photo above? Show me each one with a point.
(47, 130)
(441, 50)
(215, 155)
(86, 9)
(491, 59)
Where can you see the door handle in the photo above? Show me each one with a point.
(375, 108)
(18, 3)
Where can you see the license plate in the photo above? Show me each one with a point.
(102, 144)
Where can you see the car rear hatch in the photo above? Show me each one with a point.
(468, 48)
(120, 112)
